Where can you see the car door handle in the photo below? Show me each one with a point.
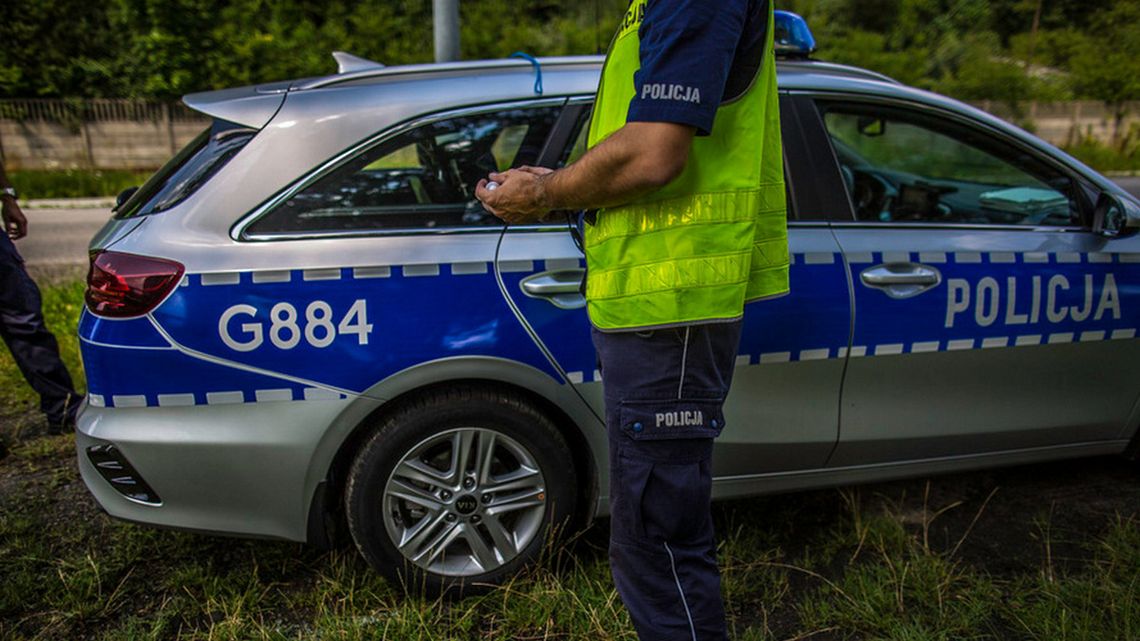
(563, 288)
(886, 275)
(550, 283)
(901, 280)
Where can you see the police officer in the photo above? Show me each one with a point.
(685, 168)
(22, 322)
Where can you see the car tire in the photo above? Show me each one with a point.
(458, 489)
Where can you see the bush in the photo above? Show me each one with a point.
(75, 183)
(1103, 157)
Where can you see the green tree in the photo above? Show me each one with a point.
(291, 40)
(980, 75)
(497, 28)
(56, 48)
(165, 48)
(1053, 48)
(1105, 68)
(870, 50)
(1012, 17)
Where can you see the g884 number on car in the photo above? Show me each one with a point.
(242, 329)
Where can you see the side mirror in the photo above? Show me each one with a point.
(124, 196)
(1115, 216)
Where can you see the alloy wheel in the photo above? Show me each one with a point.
(464, 502)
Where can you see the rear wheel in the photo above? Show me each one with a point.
(458, 488)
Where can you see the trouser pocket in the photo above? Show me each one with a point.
(661, 492)
(662, 476)
(671, 419)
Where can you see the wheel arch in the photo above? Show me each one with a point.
(583, 430)
(1131, 432)
(1132, 452)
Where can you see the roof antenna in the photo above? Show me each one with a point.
(346, 62)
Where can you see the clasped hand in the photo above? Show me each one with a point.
(521, 196)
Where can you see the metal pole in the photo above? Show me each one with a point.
(446, 18)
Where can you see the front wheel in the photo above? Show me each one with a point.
(459, 487)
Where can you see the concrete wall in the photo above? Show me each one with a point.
(53, 136)
(1066, 123)
(101, 145)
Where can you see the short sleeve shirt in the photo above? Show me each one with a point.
(691, 52)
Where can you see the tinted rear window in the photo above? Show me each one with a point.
(188, 170)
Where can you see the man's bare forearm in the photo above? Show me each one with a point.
(636, 160)
(619, 170)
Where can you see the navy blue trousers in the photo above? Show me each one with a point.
(664, 393)
(33, 347)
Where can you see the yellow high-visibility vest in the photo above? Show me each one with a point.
(708, 242)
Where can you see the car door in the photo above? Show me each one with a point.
(390, 239)
(782, 412)
(989, 315)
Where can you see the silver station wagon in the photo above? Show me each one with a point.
(305, 322)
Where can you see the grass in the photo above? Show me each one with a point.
(1042, 553)
(62, 304)
(1100, 603)
(1106, 158)
(75, 183)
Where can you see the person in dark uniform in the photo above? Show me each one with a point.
(685, 168)
(33, 347)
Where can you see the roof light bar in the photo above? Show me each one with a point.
(793, 37)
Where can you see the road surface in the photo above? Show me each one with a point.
(1131, 184)
(56, 244)
(57, 238)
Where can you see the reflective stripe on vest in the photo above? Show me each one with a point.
(711, 240)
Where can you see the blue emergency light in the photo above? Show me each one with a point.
(793, 37)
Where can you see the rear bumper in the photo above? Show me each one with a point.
(241, 469)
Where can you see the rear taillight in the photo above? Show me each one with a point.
(124, 285)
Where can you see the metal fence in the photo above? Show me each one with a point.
(94, 110)
(1076, 110)
(93, 133)
(122, 134)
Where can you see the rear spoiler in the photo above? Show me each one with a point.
(248, 106)
(255, 106)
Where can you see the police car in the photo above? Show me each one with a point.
(306, 319)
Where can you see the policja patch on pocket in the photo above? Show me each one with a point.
(672, 419)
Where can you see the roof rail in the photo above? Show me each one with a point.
(833, 69)
(376, 70)
(381, 71)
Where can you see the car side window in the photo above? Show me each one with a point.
(901, 165)
(422, 179)
(578, 147)
(578, 142)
